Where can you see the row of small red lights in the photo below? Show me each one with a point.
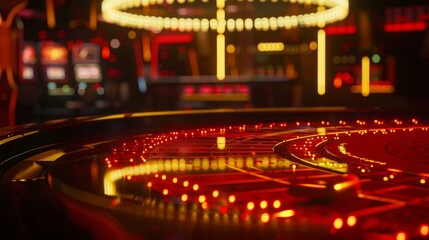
(129, 150)
(203, 199)
(306, 147)
(125, 155)
(164, 138)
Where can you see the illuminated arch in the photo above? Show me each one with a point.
(114, 11)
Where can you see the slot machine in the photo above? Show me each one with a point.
(87, 72)
(55, 74)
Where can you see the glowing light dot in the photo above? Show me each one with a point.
(128, 177)
(132, 34)
(185, 183)
(424, 230)
(164, 177)
(338, 223)
(263, 204)
(165, 192)
(313, 46)
(422, 181)
(174, 180)
(215, 193)
(375, 58)
(265, 217)
(184, 198)
(276, 204)
(149, 184)
(205, 205)
(201, 199)
(230, 48)
(401, 236)
(351, 221)
(250, 206)
(231, 199)
(115, 43)
(385, 179)
(195, 187)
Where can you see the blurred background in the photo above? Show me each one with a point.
(62, 58)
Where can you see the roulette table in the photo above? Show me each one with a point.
(320, 173)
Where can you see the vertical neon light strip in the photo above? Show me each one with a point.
(50, 13)
(321, 62)
(220, 54)
(220, 40)
(93, 15)
(365, 76)
(146, 47)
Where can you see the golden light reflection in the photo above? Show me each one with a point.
(221, 143)
(346, 184)
(343, 150)
(424, 230)
(285, 214)
(265, 217)
(351, 221)
(338, 223)
(263, 204)
(276, 204)
(215, 193)
(185, 183)
(321, 130)
(250, 206)
(401, 236)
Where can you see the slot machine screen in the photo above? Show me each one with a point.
(53, 54)
(87, 73)
(28, 56)
(29, 61)
(86, 53)
(28, 73)
(55, 73)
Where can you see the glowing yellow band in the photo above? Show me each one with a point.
(220, 54)
(365, 76)
(321, 62)
(114, 11)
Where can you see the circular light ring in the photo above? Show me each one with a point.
(113, 11)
